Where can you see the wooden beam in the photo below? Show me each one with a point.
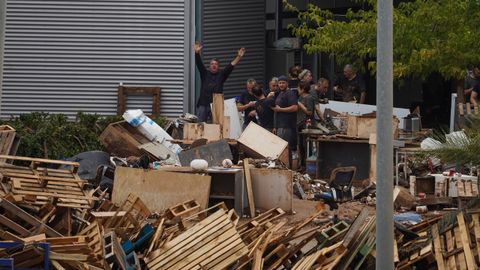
(437, 248)
(248, 184)
(471, 265)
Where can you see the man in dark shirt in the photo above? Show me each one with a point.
(212, 80)
(305, 113)
(263, 109)
(286, 106)
(350, 87)
(471, 80)
(319, 95)
(247, 103)
(272, 86)
(474, 95)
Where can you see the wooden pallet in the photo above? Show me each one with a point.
(41, 185)
(94, 233)
(7, 137)
(245, 229)
(182, 209)
(22, 223)
(325, 258)
(213, 243)
(135, 213)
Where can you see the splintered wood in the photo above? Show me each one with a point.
(38, 186)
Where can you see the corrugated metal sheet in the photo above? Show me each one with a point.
(229, 25)
(66, 56)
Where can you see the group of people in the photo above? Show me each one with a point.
(290, 104)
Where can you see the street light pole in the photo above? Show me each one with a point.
(384, 208)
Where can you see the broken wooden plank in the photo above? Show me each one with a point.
(218, 109)
(460, 258)
(471, 265)
(438, 248)
(450, 246)
(249, 187)
(476, 230)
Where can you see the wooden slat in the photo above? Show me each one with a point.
(194, 232)
(460, 258)
(249, 187)
(213, 243)
(450, 248)
(437, 248)
(465, 242)
(476, 229)
(174, 255)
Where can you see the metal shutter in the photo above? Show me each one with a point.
(64, 56)
(229, 25)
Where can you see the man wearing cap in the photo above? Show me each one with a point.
(286, 106)
(212, 80)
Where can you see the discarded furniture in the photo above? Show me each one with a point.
(214, 153)
(363, 126)
(194, 131)
(227, 186)
(125, 91)
(334, 152)
(341, 183)
(273, 188)
(160, 189)
(257, 142)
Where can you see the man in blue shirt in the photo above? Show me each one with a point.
(212, 80)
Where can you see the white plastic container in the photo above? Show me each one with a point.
(150, 129)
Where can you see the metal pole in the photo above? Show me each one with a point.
(384, 211)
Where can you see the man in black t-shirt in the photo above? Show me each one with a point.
(350, 87)
(263, 109)
(474, 95)
(247, 103)
(286, 106)
(471, 80)
(212, 80)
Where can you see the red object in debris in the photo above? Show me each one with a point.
(452, 172)
(421, 195)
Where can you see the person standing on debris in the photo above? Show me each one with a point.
(319, 95)
(212, 80)
(471, 80)
(263, 109)
(286, 106)
(350, 87)
(305, 118)
(247, 103)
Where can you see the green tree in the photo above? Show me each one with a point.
(429, 36)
